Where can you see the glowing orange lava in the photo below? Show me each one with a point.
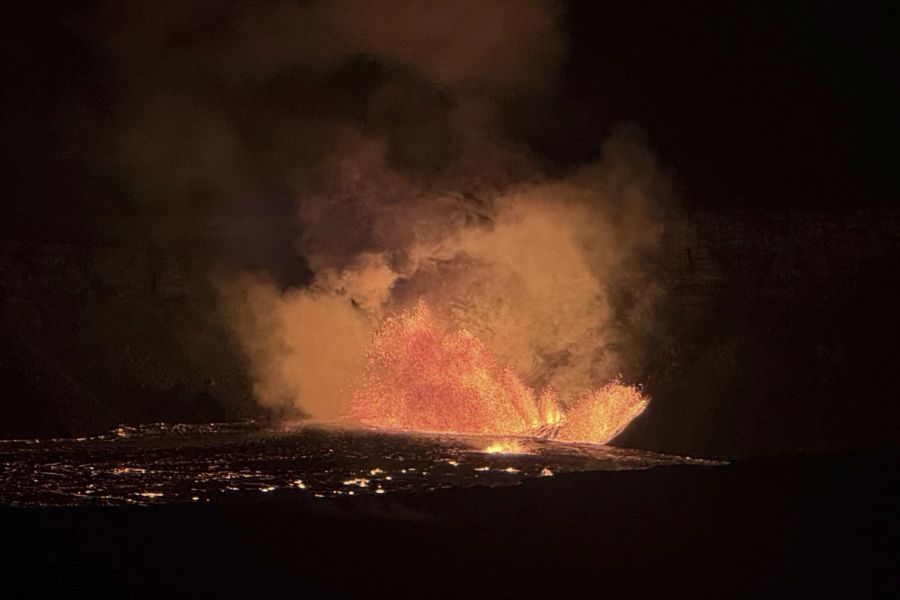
(505, 447)
(420, 377)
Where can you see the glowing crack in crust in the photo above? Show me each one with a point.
(420, 377)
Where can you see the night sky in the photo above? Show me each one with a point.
(753, 105)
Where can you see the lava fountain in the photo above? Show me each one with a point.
(420, 376)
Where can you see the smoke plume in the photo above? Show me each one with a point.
(381, 125)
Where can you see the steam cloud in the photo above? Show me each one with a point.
(382, 122)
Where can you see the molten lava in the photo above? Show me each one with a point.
(505, 447)
(602, 414)
(421, 377)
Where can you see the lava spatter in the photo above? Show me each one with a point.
(420, 376)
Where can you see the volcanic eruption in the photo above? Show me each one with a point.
(509, 312)
(441, 274)
(420, 377)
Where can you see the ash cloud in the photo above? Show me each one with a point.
(380, 125)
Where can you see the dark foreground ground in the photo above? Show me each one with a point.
(824, 526)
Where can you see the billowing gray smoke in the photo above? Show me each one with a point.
(382, 124)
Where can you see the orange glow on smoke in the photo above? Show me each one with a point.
(420, 377)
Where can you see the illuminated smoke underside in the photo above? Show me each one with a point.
(421, 377)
